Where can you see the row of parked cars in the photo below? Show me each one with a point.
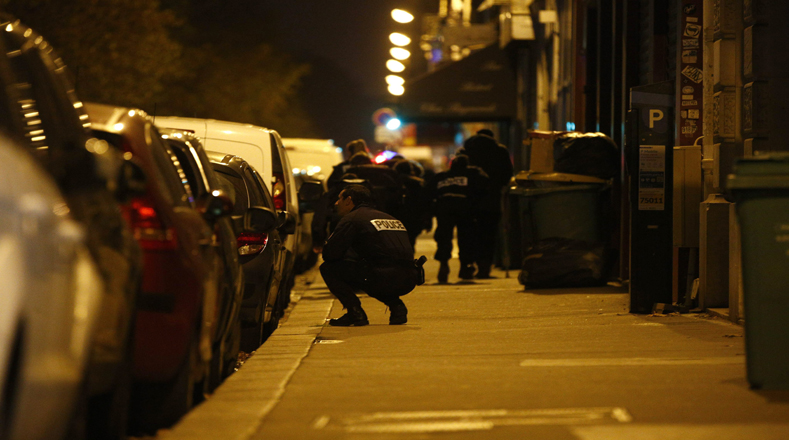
(139, 255)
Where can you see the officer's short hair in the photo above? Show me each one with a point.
(459, 162)
(360, 158)
(359, 194)
(356, 146)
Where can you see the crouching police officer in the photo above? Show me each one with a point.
(369, 250)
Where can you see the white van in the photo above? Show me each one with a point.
(313, 158)
(260, 147)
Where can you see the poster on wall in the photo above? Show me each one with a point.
(690, 80)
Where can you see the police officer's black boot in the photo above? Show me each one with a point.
(355, 317)
(398, 313)
(466, 272)
(443, 272)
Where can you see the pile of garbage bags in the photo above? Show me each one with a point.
(566, 261)
(587, 154)
(562, 262)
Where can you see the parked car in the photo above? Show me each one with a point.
(185, 300)
(206, 184)
(262, 252)
(313, 161)
(262, 148)
(50, 302)
(39, 109)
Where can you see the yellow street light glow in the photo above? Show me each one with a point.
(399, 39)
(402, 16)
(396, 90)
(399, 53)
(394, 80)
(395, 66)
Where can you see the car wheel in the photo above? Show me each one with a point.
(108, 413)
(252, 336)
(77, 428)
(232, 348)
(10, 384)
(270, 326)
(283, 299)
(158, 406)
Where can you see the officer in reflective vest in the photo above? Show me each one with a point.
(369, 250)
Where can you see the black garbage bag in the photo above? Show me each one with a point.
(563, 262)
(587, 154)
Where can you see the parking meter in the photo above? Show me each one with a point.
(649, 161)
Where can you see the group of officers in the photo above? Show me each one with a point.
(368, 221)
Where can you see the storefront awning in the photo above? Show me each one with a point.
(480, 87)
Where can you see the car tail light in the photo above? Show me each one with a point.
(251, 243)
(147, 226)
(278, 191)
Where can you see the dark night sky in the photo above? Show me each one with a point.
(345, 41)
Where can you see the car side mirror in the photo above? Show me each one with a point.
(260, 219)
(214, 205)
(131, 181)
(310, 192)
(286, 222)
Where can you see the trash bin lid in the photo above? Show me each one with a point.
(760, 172)
(557, 177)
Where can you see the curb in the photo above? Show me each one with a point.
(237, 407)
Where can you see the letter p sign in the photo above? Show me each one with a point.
(654, 116)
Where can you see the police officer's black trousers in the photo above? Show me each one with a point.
(385, 283)
(467, 242)
(488, 225)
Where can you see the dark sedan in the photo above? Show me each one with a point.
(262, 254)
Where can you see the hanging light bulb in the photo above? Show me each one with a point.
(395, 66)
(395, 80)
(396, 90)
(399, 39)
(399, 53)
(402, 16)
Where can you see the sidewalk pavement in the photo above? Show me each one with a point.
(489, 359)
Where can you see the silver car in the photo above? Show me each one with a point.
(52, 293)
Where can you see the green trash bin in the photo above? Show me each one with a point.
(546, 205)
(760, 187)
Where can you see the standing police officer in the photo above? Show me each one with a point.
(415, 210)
(456, 195)
(339, 170)
(483, 151)
(369, 251)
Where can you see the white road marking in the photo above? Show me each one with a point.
(328, 341)
(628, 362)
(321, 422)
(761, 431)
(422, 427)
(471, 420)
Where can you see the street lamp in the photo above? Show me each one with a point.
(402, 16)
(399, 53)
(395, 80)
(395, 66)
(396, 90)
(399, 39)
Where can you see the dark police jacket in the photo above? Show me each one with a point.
(370, 235)
(458, 191)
